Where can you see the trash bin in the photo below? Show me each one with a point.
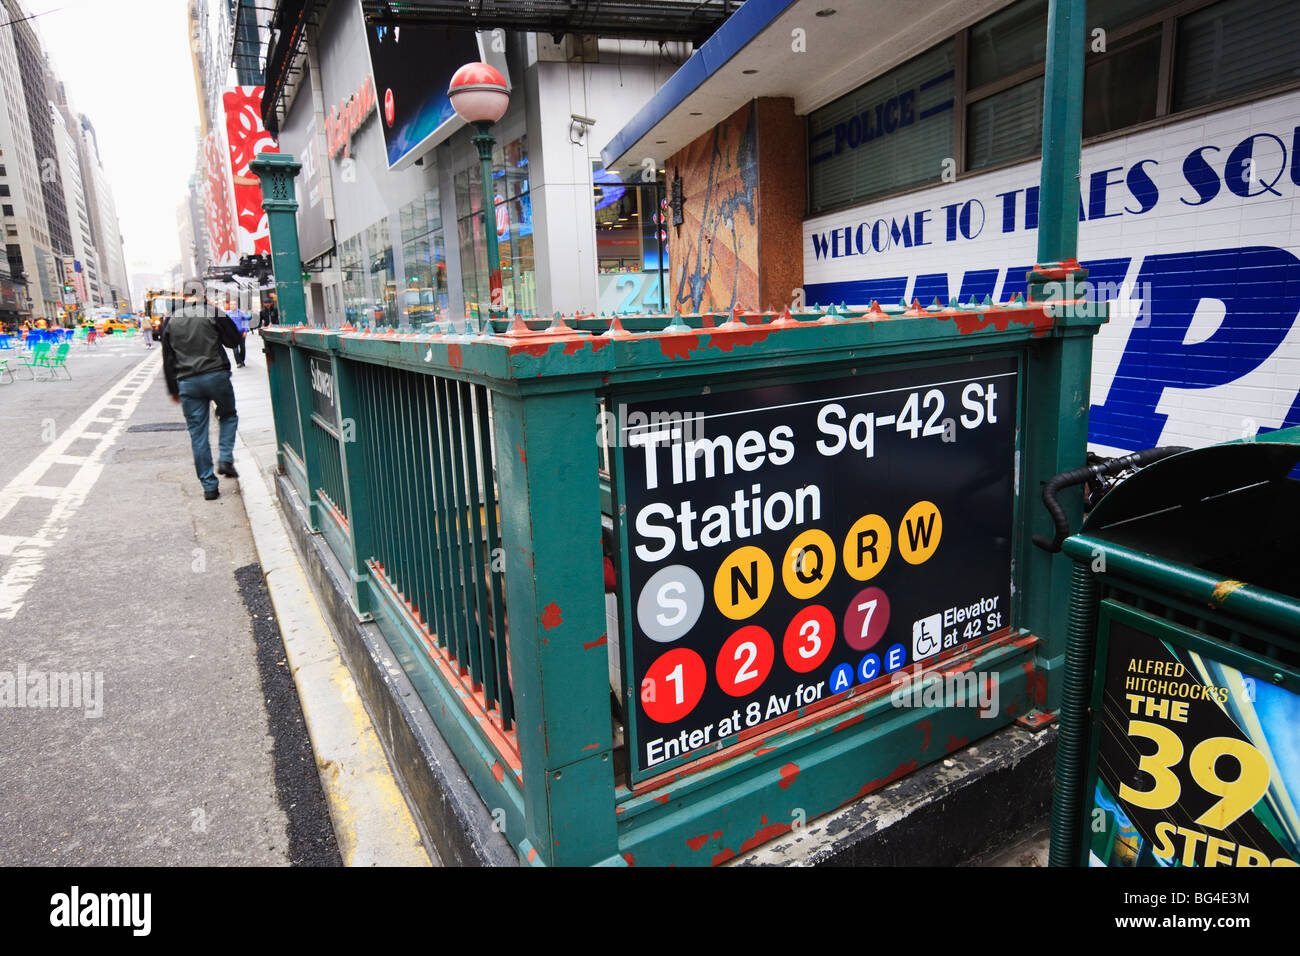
(1180, 723)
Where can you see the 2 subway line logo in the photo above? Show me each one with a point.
(810, 539)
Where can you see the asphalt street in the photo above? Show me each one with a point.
(146, 711)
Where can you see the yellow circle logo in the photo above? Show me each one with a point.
(808, 564)
(866, 547)
(743, 583)
(919, 532)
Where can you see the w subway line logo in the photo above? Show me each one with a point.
(1257, 287)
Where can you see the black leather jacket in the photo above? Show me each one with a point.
(192, 339)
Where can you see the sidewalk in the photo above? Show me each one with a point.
(373, 824)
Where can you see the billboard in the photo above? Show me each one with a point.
(218, 204)
(1186, 229)
(412, 67)
(246, 137)
(299, 137)
(1195, 760)
(787, 544)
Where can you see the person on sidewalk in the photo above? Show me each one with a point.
(240, 318)
(198, 373)
(146, 331)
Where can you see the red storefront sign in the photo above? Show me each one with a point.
(346, 118)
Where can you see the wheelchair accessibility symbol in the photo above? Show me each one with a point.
(927, 636)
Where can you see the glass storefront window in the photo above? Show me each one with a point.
(424, 257)
(513, 220)
(631, 243)
(384, 309)
(355, 307)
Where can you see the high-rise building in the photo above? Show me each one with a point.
(57, 208)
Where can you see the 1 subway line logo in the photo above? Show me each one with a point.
(821, 536)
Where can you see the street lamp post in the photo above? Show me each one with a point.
(480, 95)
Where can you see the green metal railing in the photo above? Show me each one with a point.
(469, 469)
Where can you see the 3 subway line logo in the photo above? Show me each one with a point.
(806, 539)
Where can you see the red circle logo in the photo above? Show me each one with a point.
(388, 105)
(809, 638)
(745, 661)
(866, 618)
(673, 685)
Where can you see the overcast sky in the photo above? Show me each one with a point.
(126, 65)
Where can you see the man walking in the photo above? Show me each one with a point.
(198, 373)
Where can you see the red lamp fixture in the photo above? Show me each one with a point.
(479, 93)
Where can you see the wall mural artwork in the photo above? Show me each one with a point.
(719, 244)
(247, 137)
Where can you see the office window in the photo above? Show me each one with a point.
(886, 135)
(1006, 125)
(1008, 41)
(1233, 48)
(1121, 86)
(8, 209)
(4, 189)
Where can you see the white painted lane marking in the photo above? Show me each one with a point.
(28, 555)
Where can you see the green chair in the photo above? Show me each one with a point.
(58, 361)
(4, 369)
(36, 358)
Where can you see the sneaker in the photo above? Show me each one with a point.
(212, 495)
(227, 468)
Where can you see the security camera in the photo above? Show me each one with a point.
(583, 120)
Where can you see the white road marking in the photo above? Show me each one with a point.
(28, 553)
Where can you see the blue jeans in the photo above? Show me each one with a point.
(196, 392)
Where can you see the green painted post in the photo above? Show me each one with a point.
(356, 481)
(550, 511)
(1058, 202)
(301, 363)
(277, 171)
(1058, 373)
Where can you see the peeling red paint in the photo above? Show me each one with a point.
(662, 798)
(956, 743)
(849, 722)
(871, 786)
(717, 834)
(498, 771)
(1011, 709)
(763, 750)
(959, 668)
(454, 357)
(598, 342)
(723, 857)
(551, 616)
(678, 345)
(925, 725)
(630, 859)
(588, 645)
(1037, 683)
(696, 842)
(591, 747)
(726, 340)
(532, 854)
(788, 773)
(535, 349)
(1001, 318)
(523, 456)
(763, 834)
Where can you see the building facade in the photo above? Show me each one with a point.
(393, 235)
(908, 170)
(59, 219)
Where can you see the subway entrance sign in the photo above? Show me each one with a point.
(784, 546)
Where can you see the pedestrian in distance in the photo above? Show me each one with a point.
(146, 332)
(194, 339)
(240, 319)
